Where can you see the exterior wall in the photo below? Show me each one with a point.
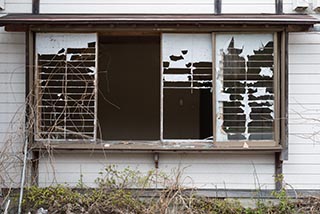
(127, 6)
(12, 96)
(207, 171)
(211, 171)
(302, 170)
(204, 171)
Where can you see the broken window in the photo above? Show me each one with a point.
(244, 87)
(129, 87)
(210, 87)
(66, 86)
(187, 86)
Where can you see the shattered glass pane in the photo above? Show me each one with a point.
(187, 86)
(66, 70)
(244, 87)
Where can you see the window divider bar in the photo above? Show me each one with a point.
(276, 88)
(214, 113)
(95, 122)
(161, 89)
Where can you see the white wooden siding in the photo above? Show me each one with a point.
(302, 170)
(17, 6)
(12, 98)
(204, 171)
(127, 6)
(248, 6)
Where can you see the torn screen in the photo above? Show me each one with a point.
(244, 87)
(66, 82)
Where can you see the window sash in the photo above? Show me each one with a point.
(271, 142)
(66, 87)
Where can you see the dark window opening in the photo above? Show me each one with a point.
(129, 88)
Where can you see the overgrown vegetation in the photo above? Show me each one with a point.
(124, 192)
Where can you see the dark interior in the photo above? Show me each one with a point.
(129, 87)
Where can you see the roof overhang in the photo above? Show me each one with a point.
(24, 22)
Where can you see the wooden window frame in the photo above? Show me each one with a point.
(230, 143)
(211, 146)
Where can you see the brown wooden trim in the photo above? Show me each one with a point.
(35, 6)
(284, 96)
(278, 171)
(156, 146)
(276, 86)
(214, 79)
(173, 28)
(217, 6)
(157, 18)
(279, 6)
(29, 83)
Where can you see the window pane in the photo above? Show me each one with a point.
(244, 87)
(66, 73)
(187, 86)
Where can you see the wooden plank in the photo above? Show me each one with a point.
(303, 69)
(304, 38)
(232, 7)
(304, 59)
(17, 8)
(304, 99)
(129, 8)
(138, 2)
(12, 58)
(304, 49)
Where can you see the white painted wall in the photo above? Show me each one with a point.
(12, 95)
(127, 6)
(302, 170)
(17, 6)
(204, 171)
(248, 6)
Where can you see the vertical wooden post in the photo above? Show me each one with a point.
(217, 6)
(284, 96)
(29, 86)
(278, 171)
(279, 6)
(35, 6)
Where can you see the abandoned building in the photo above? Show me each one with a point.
(225, 90)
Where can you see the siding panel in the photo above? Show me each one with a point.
(202, 171)
(302, 169)
(248, 6)
(126, 6)
(12, 97)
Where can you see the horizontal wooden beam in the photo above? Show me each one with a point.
(154, 146)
